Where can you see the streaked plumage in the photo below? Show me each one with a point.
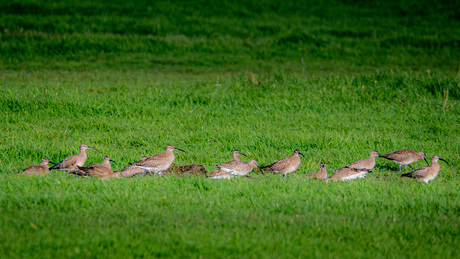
(105, 163)
(286, 165)
(70, 163)
(131, 169)
(238, 168)
(347, 174)
(367, 163)
(101, 172)
(159, 162)
(219, 174)
(426, 173)
(404, 157)
(321, 174)
(40, 169)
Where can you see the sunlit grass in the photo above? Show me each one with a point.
(334, 79)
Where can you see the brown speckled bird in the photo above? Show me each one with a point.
(101, 172)
(426, 173)
(70, 163)
(219, 174)
(238, 168)
(404, 157)
(40, 169)
(105, 163)
(321, 174)
(347, 174)
(367, 163)
(286, 165)
(159, 162)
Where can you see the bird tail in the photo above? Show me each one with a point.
(384, 156)
(407, 175)
(265, 168)
(55, 166)
(79, 171)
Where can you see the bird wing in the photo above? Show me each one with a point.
(357, 164)
(34, 169)
(278, 165)
(155, 161)
(217, 173)
(66, 163)
(422, 171)
(131, 170)
(228, 164)
(99, 171)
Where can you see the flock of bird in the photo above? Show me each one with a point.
(159, 163)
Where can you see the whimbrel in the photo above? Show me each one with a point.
(404, 157)
(321, 174)
(101, 172)
(159, 162)
(347, 174)
(105, 163)
(367, 163)
(426, 173)
(70, 163)
(219, 174)
(238, 168)
(285, 165)
(131, 169)
(42, 168)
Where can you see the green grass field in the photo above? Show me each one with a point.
(334, 79)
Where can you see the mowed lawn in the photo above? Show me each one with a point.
(333, 79)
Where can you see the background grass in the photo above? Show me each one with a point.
(128, 79)
(203, 36)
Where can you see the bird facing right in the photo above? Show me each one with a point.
(286, 165)
(219, 174)
(367, 163)
(159, 162)
(426, 173)
(40, 169)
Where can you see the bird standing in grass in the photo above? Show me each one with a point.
(286, 165)
(70, 163)
(367, 163)
(219, 174)
(238, 168)
(426, 173)
(159, 162)
(404, 157)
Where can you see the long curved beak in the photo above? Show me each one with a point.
(94, 149)
(443, 160)
(239, 153)
(426, 161)
(180, 150)
(113, 161)
(49, 162)
(302, 154)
